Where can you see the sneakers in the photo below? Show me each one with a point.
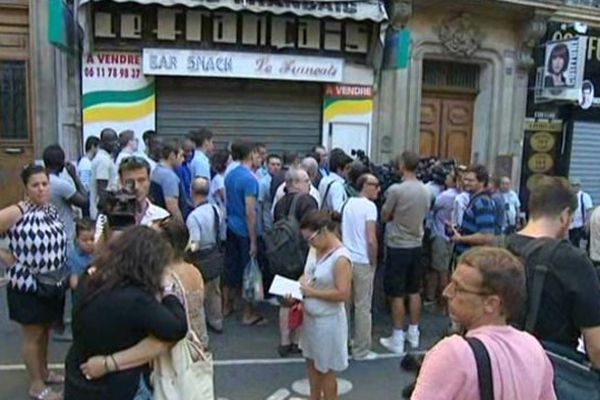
(389, 343)
(412, 337)
(369, 356)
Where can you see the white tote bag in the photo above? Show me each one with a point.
(186, 372)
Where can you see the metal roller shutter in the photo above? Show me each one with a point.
(284, 115)
(585, 157)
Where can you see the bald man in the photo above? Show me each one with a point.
(204, 237)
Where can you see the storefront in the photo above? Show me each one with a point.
(577, 138)
(252, 70)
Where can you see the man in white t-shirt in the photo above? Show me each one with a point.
(84, 168)
(104, 171)
(581, 218)
(359, 234)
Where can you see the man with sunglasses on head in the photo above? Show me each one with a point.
(359, 234)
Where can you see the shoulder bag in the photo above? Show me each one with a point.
(210, 261)
(186, 372)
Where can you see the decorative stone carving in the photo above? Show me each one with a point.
(531, 33)
(402, 11)
(460, 36)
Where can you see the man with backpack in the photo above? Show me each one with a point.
(333, 187)
(570, 293)
(285, 246)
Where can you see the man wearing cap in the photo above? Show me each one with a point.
(581, 218)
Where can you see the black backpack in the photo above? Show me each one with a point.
(284, 247)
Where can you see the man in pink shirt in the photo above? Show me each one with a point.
(486, 290)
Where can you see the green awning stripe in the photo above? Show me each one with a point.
(117, 96)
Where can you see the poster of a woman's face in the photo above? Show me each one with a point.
(586, 98)
(557, 64)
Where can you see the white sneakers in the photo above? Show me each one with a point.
(412, 336)
(395, 343)
(370, 356)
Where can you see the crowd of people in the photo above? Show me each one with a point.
(138, 235)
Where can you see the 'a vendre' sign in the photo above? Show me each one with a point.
(241, 65)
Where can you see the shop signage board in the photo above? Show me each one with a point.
(116, 94)
(348, 117)
(358, 10)
(223, 64)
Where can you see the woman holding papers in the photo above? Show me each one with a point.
(326, 286)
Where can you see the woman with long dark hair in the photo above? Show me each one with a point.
(118, 305)
(37, 245)
(558, 63)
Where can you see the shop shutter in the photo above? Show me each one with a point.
(585, 159)
(283, 115)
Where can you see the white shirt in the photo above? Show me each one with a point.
(583, 210)
(123, 155)
(314, 193)
(233, 165)
(337, 193)
(513, 205)
(201, 225)
(84, 169)
(595, 235)
(357, 212)
(461, 201)
(103, 169)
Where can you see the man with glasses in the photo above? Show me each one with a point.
(297, 184)
(359, 235)
(486, 291)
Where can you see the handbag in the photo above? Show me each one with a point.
(210, 262)
(296, 316)
(186, 372)
(52, 284)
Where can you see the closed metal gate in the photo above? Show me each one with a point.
(283, 115)
(585, 157)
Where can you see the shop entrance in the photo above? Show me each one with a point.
(447, 104)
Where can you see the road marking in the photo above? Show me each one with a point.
(227, 363)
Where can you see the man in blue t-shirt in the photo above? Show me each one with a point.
(165, 187)
(480, 215)
(241, 188)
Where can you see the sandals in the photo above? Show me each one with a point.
(54, 379)
(46, 394)
(259, 320)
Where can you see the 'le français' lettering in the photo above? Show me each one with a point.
(210, 64)
(290, 67)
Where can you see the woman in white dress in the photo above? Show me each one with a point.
(326, 285)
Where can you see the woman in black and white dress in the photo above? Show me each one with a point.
(37, 244)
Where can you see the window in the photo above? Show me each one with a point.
(441, 74)
(13, 100)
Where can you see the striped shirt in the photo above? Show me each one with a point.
(479, 217)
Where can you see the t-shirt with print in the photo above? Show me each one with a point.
(520, 367)
(357, 212)
(61, 191)
(103, 169)
(239, 184)
(409, 202)
(479, 217)
(570, 295)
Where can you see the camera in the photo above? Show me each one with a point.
(120, 207)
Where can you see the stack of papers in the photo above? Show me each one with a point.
(283, 287)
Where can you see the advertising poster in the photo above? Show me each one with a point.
(116, 94)
(563, 68)
(589, 95)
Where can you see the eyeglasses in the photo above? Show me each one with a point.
(374, 184)
(454, 288)
(313, 236)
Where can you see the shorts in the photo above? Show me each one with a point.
(441, 253)
(403, 272)
(237, 256)
(30, 309)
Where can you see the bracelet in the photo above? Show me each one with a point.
(112, 357)
(106, 364)
(21, 209)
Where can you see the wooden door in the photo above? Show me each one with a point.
(447, 126)
(16, 142)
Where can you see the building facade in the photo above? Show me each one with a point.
(39, 96)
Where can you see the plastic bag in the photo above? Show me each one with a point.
(253, 282)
